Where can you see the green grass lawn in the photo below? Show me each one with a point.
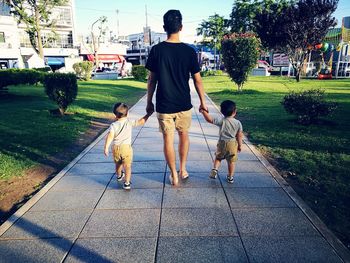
(29, 134)
(316, 157)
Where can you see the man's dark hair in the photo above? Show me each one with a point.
(227, 107)
(120, 110)
(172, 21)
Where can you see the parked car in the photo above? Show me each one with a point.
(264, 64)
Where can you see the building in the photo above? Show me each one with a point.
(58, 46)
(140, 45)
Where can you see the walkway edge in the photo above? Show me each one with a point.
(32, 201)
(330, 237)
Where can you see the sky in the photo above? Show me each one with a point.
(132, 16)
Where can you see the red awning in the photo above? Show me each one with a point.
(106, 58)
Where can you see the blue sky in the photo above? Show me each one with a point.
(132, 13)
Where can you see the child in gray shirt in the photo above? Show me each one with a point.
(230, 138)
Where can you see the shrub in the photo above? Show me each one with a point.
(61, 88)
(240, 54)
(211, 73)
(83, 69)
(139, 72)
(19, 76)
(308, 105)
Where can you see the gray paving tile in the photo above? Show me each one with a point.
(91, 168)
(273, 222)
(197, 222)
(68, 200)
(113, 250)
(195, 180)
(197, 166)
(147, 156)
(47, 224)
(247, 167)
(39, 250)
(200, 249)
(123, 223)
(140, 181)
(194, 197)
(156, 147)
(82, 182)
(250, 180)
(96, 158)
(198, 156)
(149, 167)
(135, 198)
(289, 249)
(258, 197)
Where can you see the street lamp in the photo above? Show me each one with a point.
(102, 19)
(139, 43)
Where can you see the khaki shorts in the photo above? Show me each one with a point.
(122, 154)
(181, 121)
(227, 150)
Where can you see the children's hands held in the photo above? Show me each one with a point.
(203, 108)
(239, 149)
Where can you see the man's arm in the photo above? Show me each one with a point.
(151, 87)
(198, 84)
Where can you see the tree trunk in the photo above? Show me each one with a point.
(38, 30)
(298, 75)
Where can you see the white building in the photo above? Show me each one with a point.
(16, 50)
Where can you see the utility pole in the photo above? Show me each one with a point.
(146, 16)
(117, 11)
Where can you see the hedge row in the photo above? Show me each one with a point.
(20, 76)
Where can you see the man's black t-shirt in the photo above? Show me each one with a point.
(173, 63)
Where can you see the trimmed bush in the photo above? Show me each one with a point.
(240, 53)
(20, 76)
(61, 88)
(83, 69)
(211, 73)
(308, 105)
(139, 72)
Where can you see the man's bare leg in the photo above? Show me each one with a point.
(184, 144)
(169, 154)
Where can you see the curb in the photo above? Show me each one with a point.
(339, 248)
(32, 201)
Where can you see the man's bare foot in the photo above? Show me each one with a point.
(174, 179)
(184, 174)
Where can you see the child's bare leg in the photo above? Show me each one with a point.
(118, 168)
(214, 171)
(127, 168)
(231, 168)
(217, 163)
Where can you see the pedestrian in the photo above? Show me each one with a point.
(171, 63)
(120, 135)
(230, 138)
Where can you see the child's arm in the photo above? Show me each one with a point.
(239, 138)
(143, 120)
(207, 116)
(108, 141)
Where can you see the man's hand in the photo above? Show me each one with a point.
(202, 108)
(239, 149)
(150, 108)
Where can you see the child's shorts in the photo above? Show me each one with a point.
(122, 154)
(227, 150)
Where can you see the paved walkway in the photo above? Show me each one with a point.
(84, 215)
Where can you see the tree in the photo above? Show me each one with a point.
(213, 30)
(240, 54)
(295, 27)
(35, 15)
(241, 18)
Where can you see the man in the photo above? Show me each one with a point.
(170, 63)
